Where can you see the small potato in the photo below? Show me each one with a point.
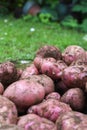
(71, 121)
(8, 73)
(50, 109)
(8, 111)
(75, 98)
(49, 51)
(35, 122)
(25, 93)
(73, 53)
(28, 71)
(53, 95)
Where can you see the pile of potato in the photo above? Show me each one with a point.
(50, 93)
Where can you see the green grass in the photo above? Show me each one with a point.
(17, 42)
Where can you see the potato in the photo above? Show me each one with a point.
(53, 69)
(53, 95)
(25, 93)
(75, 76)
(10, 127)
(71, 121)
(49, 51)
(73, 53)
(8, 111)
(34, 122)
(8, 73)
(1, 88)
(60, 87)
(28, 71)
(50, 109)
(45, 81)
(75, 97)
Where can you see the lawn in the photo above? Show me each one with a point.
(20, 39)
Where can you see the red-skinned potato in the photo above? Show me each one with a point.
(45, 81)
(24, 93)
(35, 122)
(1, 88)
(53, 69)
(49, 51)
(71, 121)
(75, 97)
(10, 127)
(53, 95)
(75, 76)
(28, 71)
(8, 73)
(50, 109)
(8, 111)
(73, 53)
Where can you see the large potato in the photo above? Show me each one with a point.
(75, 97)
(49, 51)
(25, 93)
(34, 122)
(73, 53)
(50, 109)
(1, 88)
(8, 111)
(45, 81)
(71, 121)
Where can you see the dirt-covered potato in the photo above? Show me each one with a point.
(28, 71)
(35, 122)
(45, 81)
(8, 111)
(73, 53)
(71, 121)
(49, 51)
(25, 93)
(75, 76)
(53, 69)
(75, 97)
(53, 95)
(8, 73)
(50, 109)
(10, 127)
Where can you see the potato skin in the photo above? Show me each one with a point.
(49, 51)
(53, 95)
(50, 109)
(53, 69)
(8, 111)
(25, 93)
(1, 88)
(45, 81)
(75, 76)
(34, 122)
(71, 120)
(75, 97)
(10, 127)
(28, 71)
(8, 73)
(73, 53)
